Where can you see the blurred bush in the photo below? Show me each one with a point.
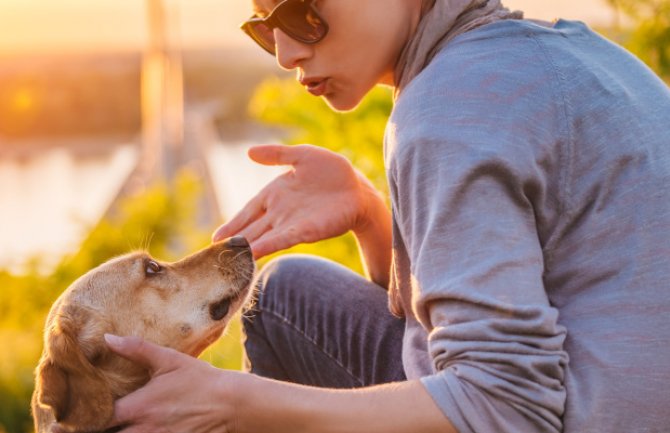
(649, 34)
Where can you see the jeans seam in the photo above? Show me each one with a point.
(307, 338)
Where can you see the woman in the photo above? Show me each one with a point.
(528, 166)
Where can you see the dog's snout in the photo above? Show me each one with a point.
(237, 242)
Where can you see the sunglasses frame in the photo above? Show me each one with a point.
(272, 22)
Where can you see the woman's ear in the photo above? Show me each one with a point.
(68, 384)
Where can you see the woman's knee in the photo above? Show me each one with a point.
(286, 295)
(285, 274)
(308, 305)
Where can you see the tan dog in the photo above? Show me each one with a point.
(184, 305)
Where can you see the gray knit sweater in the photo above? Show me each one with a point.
(530, 179)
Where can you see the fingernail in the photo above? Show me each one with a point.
(113, 340)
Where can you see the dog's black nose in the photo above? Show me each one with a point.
(237, 242)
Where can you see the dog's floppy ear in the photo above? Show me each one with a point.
(67, 382)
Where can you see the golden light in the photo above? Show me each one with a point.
(23, 100)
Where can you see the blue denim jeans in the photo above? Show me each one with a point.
(318, 323)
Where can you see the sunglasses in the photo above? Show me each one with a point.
(298, 19)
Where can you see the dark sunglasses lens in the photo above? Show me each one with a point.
(299, 21)
(263, 35)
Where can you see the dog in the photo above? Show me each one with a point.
(183, 305)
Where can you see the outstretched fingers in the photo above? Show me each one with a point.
(250, 213)
(275, 240)
(257, 228)
(247, 219)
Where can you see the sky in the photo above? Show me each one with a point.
(103, 25)
(73, 25)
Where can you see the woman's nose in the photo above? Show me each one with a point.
(289, 51)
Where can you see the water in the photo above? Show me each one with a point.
(50, 196)
(235, 177)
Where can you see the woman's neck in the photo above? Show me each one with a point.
(426, 5)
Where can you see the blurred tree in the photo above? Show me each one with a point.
(69, 96)
(649, 38)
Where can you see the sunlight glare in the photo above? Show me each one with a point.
(23, 100)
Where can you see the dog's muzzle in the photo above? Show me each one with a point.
(240, 247)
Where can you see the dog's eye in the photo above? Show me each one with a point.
(152, 268)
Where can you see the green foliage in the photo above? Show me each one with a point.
(649, 38)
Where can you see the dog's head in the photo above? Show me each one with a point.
(183, 305)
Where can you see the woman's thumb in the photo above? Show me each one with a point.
(275, 154)
(147, 354)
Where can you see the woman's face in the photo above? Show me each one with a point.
(360, 50)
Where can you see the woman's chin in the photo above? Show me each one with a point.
(342, 102)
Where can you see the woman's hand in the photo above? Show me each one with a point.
(183, 395)
(323, 196)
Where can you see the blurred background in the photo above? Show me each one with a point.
(124, 125)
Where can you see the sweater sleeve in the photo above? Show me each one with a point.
(468, 189)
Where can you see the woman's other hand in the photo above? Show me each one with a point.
(321, 197)
(184, 394)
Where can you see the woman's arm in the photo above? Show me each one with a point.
(374, 237)
(278, 407)
(186, 394)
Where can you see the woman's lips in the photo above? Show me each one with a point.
(316, 87)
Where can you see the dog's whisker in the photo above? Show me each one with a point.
(223, 252)
(150, 239)
(240, 253)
